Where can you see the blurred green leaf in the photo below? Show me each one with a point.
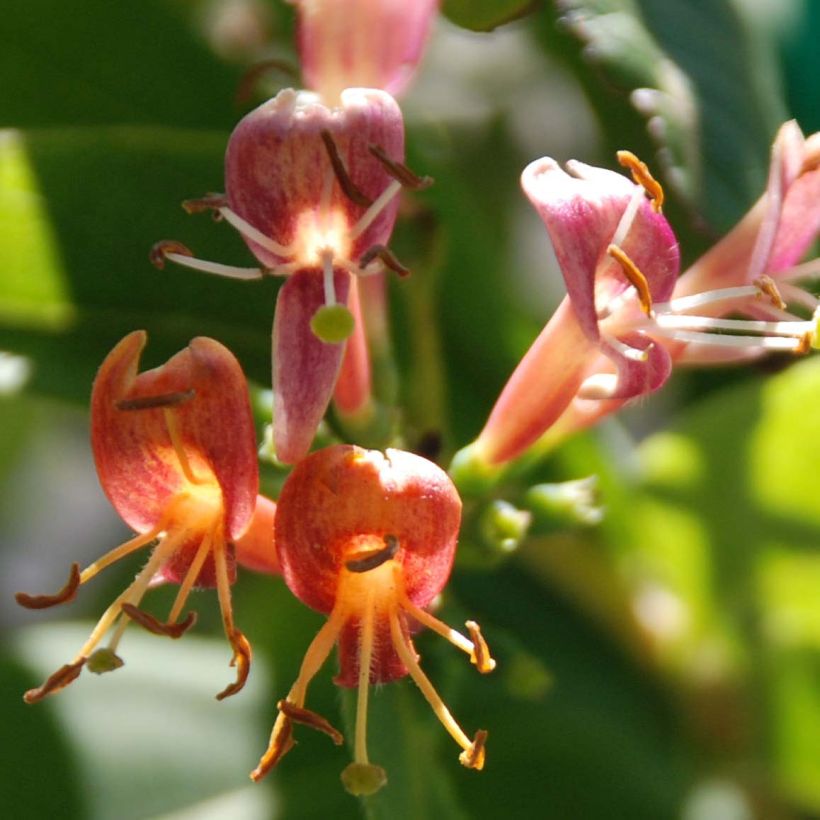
(485, 15)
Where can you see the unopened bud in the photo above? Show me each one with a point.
(567, 503)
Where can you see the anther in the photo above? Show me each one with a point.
(633, 273)
(209, 202)
(59, 680)
(768, 287)
(473, 758)
(160, 250)
(399, 171)
(387, 256)
(643, 177)
(66, 594)
(344, 180)
(298, 714)
(153, 402)
(157, 627)
(241, 660)
(375, 559)
(480, 655)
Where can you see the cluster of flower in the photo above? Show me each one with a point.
(312, 185)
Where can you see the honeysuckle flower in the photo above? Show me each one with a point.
(313, 191)
(616, 334)
(368, 539)
(361, 43)
(175, 453)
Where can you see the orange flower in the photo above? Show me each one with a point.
(175, 452)
(369, 539)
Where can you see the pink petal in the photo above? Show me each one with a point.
(277, 167)
(362, 43)
(352, 393)
(304, 367)
(633, 376)
(581, 212)
(256, 548)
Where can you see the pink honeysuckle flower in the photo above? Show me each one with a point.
(361, 43)
(313, 191)
(621, 326)
(175, 452)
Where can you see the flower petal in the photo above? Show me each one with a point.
(352, 392)
(304, 368)
(362, 43)
(277, 168)
(256, 549)
(642, 366)
(582, 211)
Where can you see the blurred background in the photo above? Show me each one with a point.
(658, 638)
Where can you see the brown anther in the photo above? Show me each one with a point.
(280, 744)
(480, 655)
(209, 202)
(804, 345)
(298, 714)
(473, 758)
(159, 400)
(375, 559)
(387, 257)
(241, 660)
(399, 171)
(158, 627)
(643, 177)
(768, 287)
(66, 594)
(633, 274)
(344, 180)
(59, 680)
(160, 250)
(248, 81)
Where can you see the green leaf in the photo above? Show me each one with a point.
(485, 15)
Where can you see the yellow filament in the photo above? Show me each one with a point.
(634, 275)
(190, 577)
(365, 658)
(223, 586)
(171, 422)
(120, 552)
(643, 177)
(132, 595)
(431, 622)
(400, 642)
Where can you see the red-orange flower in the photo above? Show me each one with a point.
(369, 539)
(175, 452)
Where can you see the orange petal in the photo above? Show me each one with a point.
(256, 549)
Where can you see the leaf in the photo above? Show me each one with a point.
(485, 15)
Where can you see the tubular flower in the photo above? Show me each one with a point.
(618, 331)
(175, 452)
(362, 43)
(313, 191)
(368, 539)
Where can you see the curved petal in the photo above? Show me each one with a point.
(582, 211)
(277, 169)
(138, 467)
(304, 368)
(353, 388)
(362, 43)
(256, 548)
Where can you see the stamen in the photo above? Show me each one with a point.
(171, 423)
(165, 248)
(254, 234)
(643, 177)
(66, 594)
(481, 657)
(157, 627)
(152, 402)
(685, 303)
(306, 717)
(241, 648)
(627, 217)
(209, 202)
(473, 758)
(180, 255)
(788, 345)
(686, 322)
(768, 287)
(375, 209)
(399, 171)
(365, 658)
(634, 354)
(633, 274)
(122, 551)
(190, 577)
(281, 739)
(59, 680)
(375, 559)
(400, 643)
(344, 180)
(387, 257)
(431, 622)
